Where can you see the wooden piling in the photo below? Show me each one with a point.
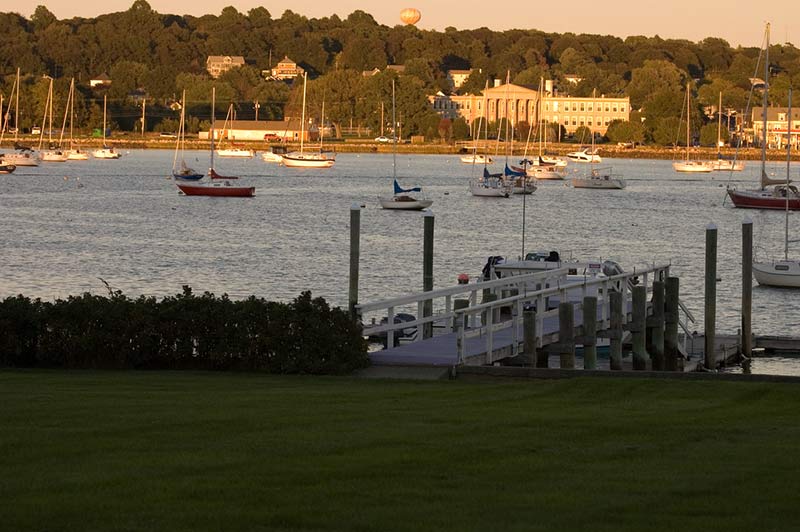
(655, 327)
(747, 287)
(710, 296)
(589, 339)
(529, 336)
(637, 328)
(566, 335)
(615, 300)
(355, 249)
(671, 308)
(427, 271)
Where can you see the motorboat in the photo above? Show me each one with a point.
(6, 168)
(600, 178)
(476, 158)
(584, 156)
(234, 151)
(270, 156)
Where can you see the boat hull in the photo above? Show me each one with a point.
(476, 159)
(21, 159)
(724, 165)
(216, 190)
(692, 167)
(236, 152)
(56, 156)
(397, 203)
(77, 155)
(584, 157)
(763, 199)
(490, 189)
(7, 168)
(271, 157)
(598, 183)
(105, 153)
(307, 161)
(783, 273)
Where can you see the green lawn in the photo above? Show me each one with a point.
(210, 451)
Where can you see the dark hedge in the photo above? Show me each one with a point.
(180, 332)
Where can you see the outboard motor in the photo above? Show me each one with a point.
(553, 257)
(611, 268)
(490, 263)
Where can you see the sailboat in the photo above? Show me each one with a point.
(403, 198)
(774, 193)
(541, 168)
(106, 152)
(688, 165)
(232, 150)
(301, 159)
(53, 154)
(74, 153)
(785, 272)
(599, 178)
(24, 155)
(218, 185)
(723, 164)
(182, 171)
(517, 177)
(489, 185)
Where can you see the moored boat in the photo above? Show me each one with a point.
(6, 168)
(600, 178)
(216, 189)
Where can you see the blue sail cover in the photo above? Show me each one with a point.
(398, 190)
(512, 173)
(487, 175)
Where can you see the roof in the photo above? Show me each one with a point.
(237, 59)
(102, 77)
(773, 112)
(459, 72)
(261, 125)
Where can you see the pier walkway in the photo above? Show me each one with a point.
(495, 328)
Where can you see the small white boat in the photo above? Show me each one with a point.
(105, 153)
(584, 156)
(270, 156)
(21, 158)
(405, 199)
(727, 165)
(550, 160)
(599, 178)
(476, 158)
(688, 166)
(53, 156)
(77, 154)
(298, 159)
(236, 152)
(785, 273)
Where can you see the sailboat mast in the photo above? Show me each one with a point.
(764, 103)
(303, 113)
(394, 143)
(788, 164)
(719, 120)
(71, 110)
(16, 111)
(44, 116)
(688, 120)
(213, 131)
(66, 114)
(486, 124)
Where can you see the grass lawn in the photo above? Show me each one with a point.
(212, 451)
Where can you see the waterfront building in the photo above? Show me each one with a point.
(100, 81)
(262, 130)
(456, 78)
(776, 126)
(216, 65)
(519, 104)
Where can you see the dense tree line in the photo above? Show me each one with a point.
(167, 53)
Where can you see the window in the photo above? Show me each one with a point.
(607, 108)
(589, 121)
(555, 106)
(583, 106)
(574, 121)
(566, 120)
(583, 121)
(547, 107)
(622, 108)
(614, 108)
(590, 106)
(781, 267)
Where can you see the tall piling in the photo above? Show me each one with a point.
(427, 271)
(637, 328)
(710, 296)
(671, 308)
(566, 335)
(615, 301)
(655, 327)
(355, 250)
(529, 336)
(589, 339)
(747, 287)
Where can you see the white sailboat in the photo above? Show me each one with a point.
(23, 155)
(74, 153)
(722, 164)
(784, 272)
(488, 185)
(688, 165)
(409, 199)
(52, 154)
(181, 171)
(232, 150)
(303, 159)
(106, 152)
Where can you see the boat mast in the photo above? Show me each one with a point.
(16, 111)
(719, 122)
(485, 126)
(303, 114)
(394, 137)
(104, 119)
(688, 120)
(71, 111)
(788, 164)
(44, 116)
(764, 103)
(213, 131)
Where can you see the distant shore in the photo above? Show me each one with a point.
(355, 145)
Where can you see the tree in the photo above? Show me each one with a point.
(708, 135)
(653, 77)
(624, 131)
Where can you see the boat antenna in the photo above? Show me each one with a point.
(213, 112)
(764, 103)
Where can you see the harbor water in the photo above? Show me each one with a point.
(67, 227)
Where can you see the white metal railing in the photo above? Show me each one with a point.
(442, 301)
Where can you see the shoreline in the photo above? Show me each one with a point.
(351, 145)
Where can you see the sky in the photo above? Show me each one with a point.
(739, 23)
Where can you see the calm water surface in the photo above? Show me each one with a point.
(67, 225)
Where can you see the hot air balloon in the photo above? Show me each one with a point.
(410, 15)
